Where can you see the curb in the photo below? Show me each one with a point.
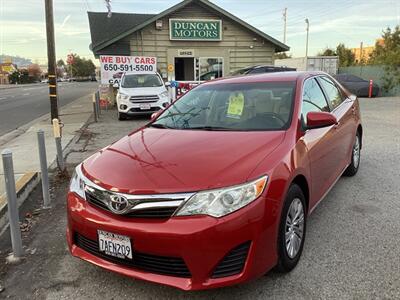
(24, 187)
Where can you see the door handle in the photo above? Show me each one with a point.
(353, 109)
(337, 125)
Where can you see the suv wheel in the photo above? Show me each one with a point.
(292, 229)
(122, 116)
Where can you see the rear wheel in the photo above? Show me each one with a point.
(122, 116)
(352, 169)
(292, 229)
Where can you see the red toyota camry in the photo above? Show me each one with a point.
(217, 188)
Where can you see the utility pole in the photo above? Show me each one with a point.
(361, 52)
(308, 30)
(284, 24)
(51, 57)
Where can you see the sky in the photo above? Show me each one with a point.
(22, 26)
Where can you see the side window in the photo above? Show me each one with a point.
(313, 99)
(335, 97)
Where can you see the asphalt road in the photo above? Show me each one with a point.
(351, 250)
(19, 106)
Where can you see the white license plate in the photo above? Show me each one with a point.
(114, 244)
(145, 106)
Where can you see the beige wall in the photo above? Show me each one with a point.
(239, 46)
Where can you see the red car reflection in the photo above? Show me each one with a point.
(216, 189)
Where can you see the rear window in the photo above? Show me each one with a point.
(236, 107)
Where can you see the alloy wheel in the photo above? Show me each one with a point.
(294, 228)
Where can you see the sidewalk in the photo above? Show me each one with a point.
(23, 143)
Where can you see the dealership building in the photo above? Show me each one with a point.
(193, 40)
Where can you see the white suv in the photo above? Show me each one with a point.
(143, 93)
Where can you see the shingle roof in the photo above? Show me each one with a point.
(106, 31)
(103, 29)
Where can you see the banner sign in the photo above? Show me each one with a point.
(113, 67)
(195, 30)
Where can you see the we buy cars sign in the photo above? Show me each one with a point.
(113, 67)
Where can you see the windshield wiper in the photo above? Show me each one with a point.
(210, 128)
(162, 126)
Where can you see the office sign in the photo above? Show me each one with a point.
(195, 30)
(186, 52)
(113, 67)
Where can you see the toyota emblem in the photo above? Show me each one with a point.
(118, 204)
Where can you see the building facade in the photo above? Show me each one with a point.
(193, 40)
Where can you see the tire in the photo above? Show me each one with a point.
(352, 169)
(122, 116)
(287, 259)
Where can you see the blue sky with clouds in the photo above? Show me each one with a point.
(22, 27)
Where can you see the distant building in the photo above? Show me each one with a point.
(363, 53)
(5, 70)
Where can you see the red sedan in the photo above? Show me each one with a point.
(217, 188)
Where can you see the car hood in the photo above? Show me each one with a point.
(156, 161)
(143, 91)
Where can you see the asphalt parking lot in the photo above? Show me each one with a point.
(351, 250)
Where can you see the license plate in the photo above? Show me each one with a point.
(145, 106)
(114, 244)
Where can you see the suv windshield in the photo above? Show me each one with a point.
(249, 106)
(141, 80)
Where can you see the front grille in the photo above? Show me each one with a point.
(138, 110)
(172, 266)
(144, 99)
(160, 212)
(92, 199)
(150, 212)
(233, 262)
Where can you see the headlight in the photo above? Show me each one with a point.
(220, 202)
(123, 97)
(164, 95)
(77, 184)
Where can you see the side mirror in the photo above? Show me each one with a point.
(320, 120)
(116, 85)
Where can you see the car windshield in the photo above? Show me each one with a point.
(141, 80)
(236, 107)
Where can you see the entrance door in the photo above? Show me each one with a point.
(184, 68)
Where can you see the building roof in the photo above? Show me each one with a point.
(106, 31)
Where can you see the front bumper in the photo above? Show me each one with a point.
(202, 242)
(132, 108)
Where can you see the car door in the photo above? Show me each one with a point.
(342, 109)
(320, 142)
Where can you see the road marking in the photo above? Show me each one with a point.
(26, 94)
(3, 98)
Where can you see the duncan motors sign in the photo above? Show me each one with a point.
(195, 30)
(113, 67)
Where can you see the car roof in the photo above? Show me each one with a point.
(267, 77)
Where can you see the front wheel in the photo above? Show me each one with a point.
(292, 229)
(352, 169)
(122, 116)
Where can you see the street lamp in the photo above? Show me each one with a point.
(308, 30)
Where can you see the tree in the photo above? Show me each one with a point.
(282, 55)
(60, 63)
(327, 52)
(346, 56)
(34, 72)
(387, 53)
(81, 67)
